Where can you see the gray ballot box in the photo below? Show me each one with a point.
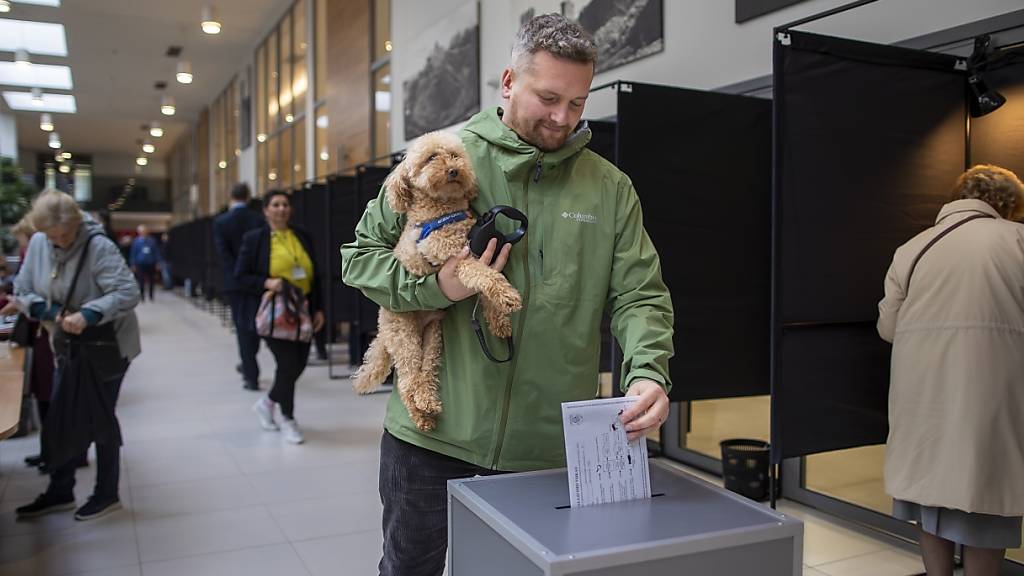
(522, 525)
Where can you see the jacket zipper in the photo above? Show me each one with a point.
(522, 320)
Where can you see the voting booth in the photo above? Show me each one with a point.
(521, 524)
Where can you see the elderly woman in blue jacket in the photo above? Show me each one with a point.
(69, 241)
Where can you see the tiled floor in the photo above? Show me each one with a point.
(206, 492)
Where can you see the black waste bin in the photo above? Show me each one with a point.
(745, 467)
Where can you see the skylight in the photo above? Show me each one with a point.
(64, 103)
(38, 75)
(39, 2)
(45, 38)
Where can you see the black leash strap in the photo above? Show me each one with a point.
(78, 272)
(483, 341)
(938, 237)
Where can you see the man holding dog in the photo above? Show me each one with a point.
(585, 250)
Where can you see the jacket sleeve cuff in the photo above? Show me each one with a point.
(645, 374)
(91, 316)
(430, 295)
(39, 311)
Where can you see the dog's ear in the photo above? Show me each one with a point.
(398, 189)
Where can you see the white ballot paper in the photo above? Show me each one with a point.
(603, 466)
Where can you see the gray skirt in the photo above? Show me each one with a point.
(967, 528)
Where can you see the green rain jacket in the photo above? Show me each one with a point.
(585, 250)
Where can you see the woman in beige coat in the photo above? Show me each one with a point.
(954, 460)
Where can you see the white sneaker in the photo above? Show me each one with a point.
(291, 432)
(264, 408)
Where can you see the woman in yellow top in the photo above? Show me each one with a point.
(269, 257)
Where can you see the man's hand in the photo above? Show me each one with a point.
(74, 323)
(318, 321)
(649, 412)
(453, 288)
(274, 284)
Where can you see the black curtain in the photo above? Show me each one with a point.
(868, 142)
(368, 181)
(701, 165)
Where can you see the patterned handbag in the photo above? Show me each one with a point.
(284, 315)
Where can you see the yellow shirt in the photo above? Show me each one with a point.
(287, 257)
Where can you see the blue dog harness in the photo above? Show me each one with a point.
(437, 223)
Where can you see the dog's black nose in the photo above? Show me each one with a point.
(453, 173)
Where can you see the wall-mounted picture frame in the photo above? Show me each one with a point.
(624, 30)
(445, 89)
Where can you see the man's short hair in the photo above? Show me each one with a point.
(556, 35)
(240, 192)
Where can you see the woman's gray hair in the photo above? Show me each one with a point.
(54, 208)
(996, 186)
(556, 35)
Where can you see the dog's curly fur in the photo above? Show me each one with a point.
(436, 178)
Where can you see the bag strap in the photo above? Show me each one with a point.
(938, 237)
(78, 272)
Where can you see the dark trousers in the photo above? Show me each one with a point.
(248, 339)
(146, 274)
(291, 359)
(413, 486)
(108, 466)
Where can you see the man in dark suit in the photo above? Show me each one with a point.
(228, 229)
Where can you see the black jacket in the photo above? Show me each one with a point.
(228, 230)
(253, 269)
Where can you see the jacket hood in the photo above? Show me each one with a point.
(487, 124)
(87, 228)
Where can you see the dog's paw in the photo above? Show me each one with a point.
(509, 301)
(423, 422)
(426, 401)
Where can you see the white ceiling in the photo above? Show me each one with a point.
(116, 51)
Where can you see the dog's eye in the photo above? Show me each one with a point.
(432, 157)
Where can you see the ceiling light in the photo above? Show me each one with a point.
(64, 168)
(261, 138)
(322, 121)
(388, 46)
(65, 155)
(167, 106)
(289, 118)
(37, 75)
(37, 97)
(324, 155)
(155, 130)
(38, 38)
(148, 147)
(222, 164)
(46, 123)
(238, 152)
(210, 23)
(983, 100)
(50, 102)
(54, 141)
(184, 75)
(21, 57)
(142, 160)
(5, 5)
(272, 175)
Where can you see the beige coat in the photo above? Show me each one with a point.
(956, 397)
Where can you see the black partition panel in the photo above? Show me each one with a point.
(701, 165)
(998, 138)
(368, 181)
(868, 142)
(340, 213)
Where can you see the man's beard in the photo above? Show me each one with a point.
(535, 134)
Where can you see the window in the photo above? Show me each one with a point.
(320, 18)
(324, 160)
(380, 79)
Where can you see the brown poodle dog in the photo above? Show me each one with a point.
(434, 180)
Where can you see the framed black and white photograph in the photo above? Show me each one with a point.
(445, 89)
(625, 30)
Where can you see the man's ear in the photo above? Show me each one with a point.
(506, 83)
(398, 188)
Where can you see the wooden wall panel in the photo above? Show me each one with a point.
(348, 82)
(203, 161)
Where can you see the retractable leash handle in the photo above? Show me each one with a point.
(486, 228)
(480, 235)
